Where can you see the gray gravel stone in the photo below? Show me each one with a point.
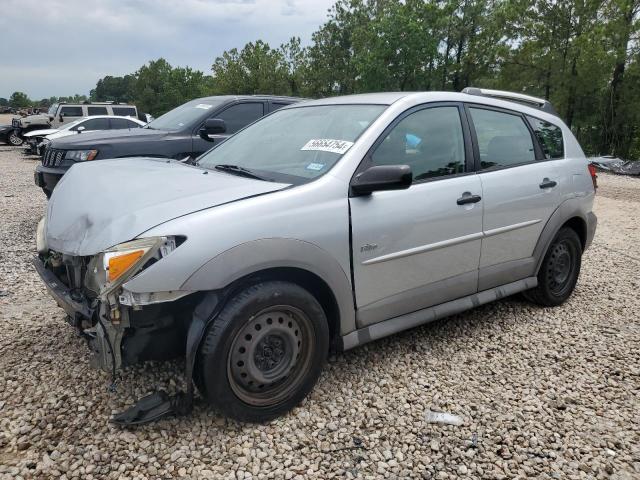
(545, 393)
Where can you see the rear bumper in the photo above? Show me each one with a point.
(61, 294)
(47, 177)
(592, 223)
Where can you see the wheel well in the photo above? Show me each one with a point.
(310, 282)
(580, 227)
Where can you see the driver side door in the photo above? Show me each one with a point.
(418, 247)
(236, 117)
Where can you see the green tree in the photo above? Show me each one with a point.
(257, 68)
(19, 100)
(116, 89)
(159, 87)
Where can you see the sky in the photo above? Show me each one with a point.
(62, 47)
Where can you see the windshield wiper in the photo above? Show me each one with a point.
(238, 170)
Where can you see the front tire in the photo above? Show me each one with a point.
(264, 352)
(15, 139)
(559, 271)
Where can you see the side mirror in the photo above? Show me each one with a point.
(80, 129)
(211, 127)
(382, 177)
(61, 119)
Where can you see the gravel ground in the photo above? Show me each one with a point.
(544, 393)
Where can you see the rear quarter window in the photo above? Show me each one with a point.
(549, 136)
(124, 111)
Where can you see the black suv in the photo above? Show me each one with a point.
(184, 132)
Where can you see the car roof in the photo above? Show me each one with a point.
(218, 98)
(128, 117)
(416, 98)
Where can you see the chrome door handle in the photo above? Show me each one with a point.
(546, 183)
(468, 198)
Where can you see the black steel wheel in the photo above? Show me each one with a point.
(559, 271)
(264, 352)
(15, 139)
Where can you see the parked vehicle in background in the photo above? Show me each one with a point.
(8, 135)
(184, 132)
(323, 226)
(37, 140)
(60, 114)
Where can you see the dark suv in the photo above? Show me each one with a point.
(184, 132)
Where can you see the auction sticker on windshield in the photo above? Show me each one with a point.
(327, 145)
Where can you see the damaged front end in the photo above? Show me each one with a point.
(121, 327)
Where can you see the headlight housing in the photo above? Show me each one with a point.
(81, 155)
(113, 267)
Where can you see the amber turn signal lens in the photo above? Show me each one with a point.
(119, 264)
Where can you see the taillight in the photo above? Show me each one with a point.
(594, 176)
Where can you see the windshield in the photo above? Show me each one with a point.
(183, 116)
(302, 142)
(52, 109)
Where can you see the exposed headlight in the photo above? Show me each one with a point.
(81, 155)
(115, 266)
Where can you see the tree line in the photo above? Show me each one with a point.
(582, 55)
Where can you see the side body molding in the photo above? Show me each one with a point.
(257, 255)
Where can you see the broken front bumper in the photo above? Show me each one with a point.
(72, 305)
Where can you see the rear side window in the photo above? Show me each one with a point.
(95, 124)
(503, 139)
(276, 105)
(549, 136)
(120, 123)
(124, 111)
(91, 111)
(430, 141)
(239, 116)
(71, 111)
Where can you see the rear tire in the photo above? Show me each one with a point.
(264, 352)
(559, 271)
(15, 139)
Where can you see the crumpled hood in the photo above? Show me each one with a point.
(97, 205)
(106, 137)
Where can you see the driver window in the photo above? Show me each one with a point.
(430, 141)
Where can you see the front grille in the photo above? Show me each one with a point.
(53, 157)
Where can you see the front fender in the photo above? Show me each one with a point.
(257, 255)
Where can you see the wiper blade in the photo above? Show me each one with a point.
(238, 170)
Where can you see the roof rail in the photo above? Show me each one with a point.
(539, 103)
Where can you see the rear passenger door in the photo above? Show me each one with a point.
(520, 192)
(418, 247)
(236, 117)
(94, 124)
(122, 123)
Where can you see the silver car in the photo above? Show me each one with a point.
(321, 227)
